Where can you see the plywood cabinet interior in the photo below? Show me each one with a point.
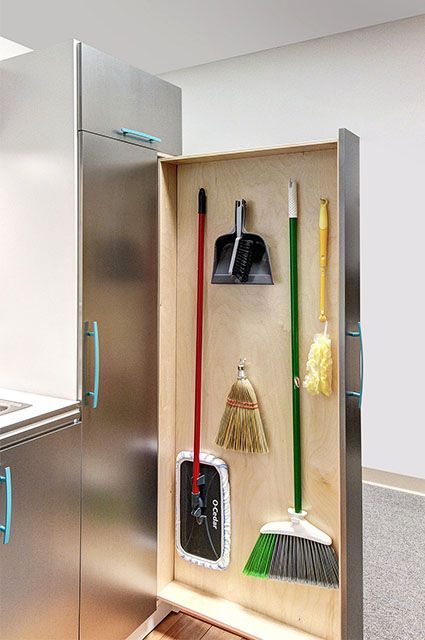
(253, 322)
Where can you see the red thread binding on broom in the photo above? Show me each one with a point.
(241, 405)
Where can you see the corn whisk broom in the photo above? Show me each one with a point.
(241, 427)
(294, 550)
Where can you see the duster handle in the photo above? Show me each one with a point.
(199, 340)
(296, 415)
(323, 233)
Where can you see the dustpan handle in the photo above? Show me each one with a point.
(199, 341)
(240, 214)
(239, 227)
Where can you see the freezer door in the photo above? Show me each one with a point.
(39, 567)
(119, 285)
(116, 96)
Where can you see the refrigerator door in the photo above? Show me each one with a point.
(39, 566)
(119, 285)
(116, 96)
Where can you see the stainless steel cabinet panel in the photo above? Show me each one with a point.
(39, 568)
(350, 380)
(115, 95)
(119, 266)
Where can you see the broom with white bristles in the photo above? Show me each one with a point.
(294, 550)
(241, 427)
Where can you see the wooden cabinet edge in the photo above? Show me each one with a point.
(229, 615)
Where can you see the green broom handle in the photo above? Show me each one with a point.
(296, 419)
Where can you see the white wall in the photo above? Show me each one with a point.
(38, 223)
(8, 48)
(371, 81)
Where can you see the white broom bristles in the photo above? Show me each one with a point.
(241, 427)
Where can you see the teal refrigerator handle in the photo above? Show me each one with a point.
(139, 134)
(358, 394)
(5, 528)
(96, 369)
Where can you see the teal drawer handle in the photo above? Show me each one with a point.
(139, 134)
(358, 394)
(5, 528)
(96, 373)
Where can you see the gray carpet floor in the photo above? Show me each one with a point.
(394, 564)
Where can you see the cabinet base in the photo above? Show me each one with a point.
(228, 615)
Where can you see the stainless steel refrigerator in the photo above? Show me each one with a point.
(119, 258)
(123, 123)
(97, 125)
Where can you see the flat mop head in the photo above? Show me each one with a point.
(294, 551)
(204, 541)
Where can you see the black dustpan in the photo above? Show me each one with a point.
(241, 257)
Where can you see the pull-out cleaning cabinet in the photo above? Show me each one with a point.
(254, 322)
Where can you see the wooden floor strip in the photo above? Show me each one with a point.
(187, 628)
(219, 634)
(179, 626)
(160, 632)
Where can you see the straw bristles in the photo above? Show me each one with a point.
(241, 427)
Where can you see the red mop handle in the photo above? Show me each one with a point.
(199, 326)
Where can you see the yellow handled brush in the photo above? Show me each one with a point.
(318, 377)
(323, 231)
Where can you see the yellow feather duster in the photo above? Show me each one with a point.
(318, 377)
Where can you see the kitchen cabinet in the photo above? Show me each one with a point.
(115, 95)
(39, 567)
(254, 322)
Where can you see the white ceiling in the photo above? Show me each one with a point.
(163, 35)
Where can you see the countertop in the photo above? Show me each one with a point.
(42, 407)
